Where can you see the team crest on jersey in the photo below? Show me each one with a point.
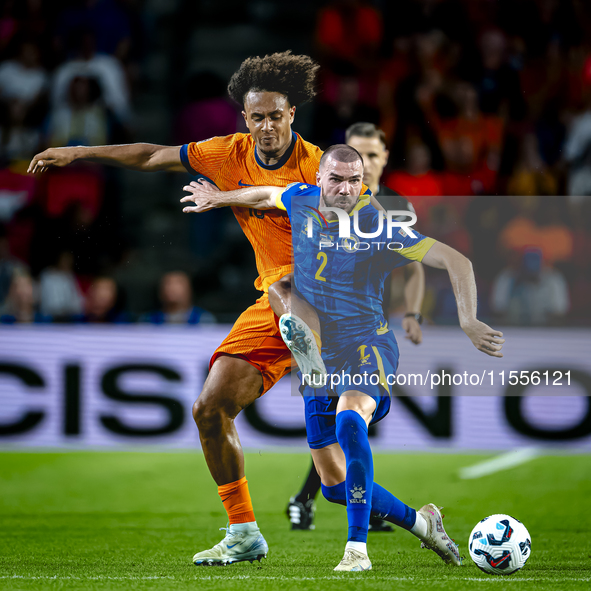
(350, 244)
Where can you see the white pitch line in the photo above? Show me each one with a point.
(499, 579)
(499, 463)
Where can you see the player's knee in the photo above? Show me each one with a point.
(280, 295)
(348, 422)
(283, 285)
(207, 417)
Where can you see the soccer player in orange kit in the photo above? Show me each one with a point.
(253, 356)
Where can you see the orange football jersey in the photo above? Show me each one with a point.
(231, 162)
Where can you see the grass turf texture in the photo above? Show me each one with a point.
(133, 521)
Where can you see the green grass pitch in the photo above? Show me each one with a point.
(86, 520)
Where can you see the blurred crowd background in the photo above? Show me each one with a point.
(486, 107)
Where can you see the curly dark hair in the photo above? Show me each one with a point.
(287, 74)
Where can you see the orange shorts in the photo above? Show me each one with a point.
(255, 338)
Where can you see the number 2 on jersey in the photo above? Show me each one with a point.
(324, 258)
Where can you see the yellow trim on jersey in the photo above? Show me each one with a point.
(418, 251)
(363, 201)
(277, 197)
(381, 370)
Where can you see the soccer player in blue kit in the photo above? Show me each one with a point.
(342, 278)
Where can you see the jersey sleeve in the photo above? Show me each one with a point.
(207, 157)
(283, 198)
(413, 249)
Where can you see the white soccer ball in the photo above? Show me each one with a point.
(499, 545)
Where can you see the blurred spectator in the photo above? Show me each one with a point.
(541, 223)
(581, 285)
(332, 119)
(419, 183)
(497, 81)
(471, 144)
(8, 24)
(18, 139)
(60, 294)
(16, 191)
(531, 175)
(208, 111)
(417, 95)
(9, 265)
(20, 305)
(36, 22)
(393, 71)
(577, 153)
(443, 223)
(349, 31)
(103, 303)
(532, 294)
(23, 78)
(176, 296)
(104, 68)
(23, 86)
(545, 79)
(485, 217)
(82, 119)
(107, 19)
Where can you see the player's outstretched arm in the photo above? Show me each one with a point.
(206, 196)
(142, 157)
(461, 274)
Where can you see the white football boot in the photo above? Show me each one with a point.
(237, 546)
(298, 337)
(353, 561)
(436, 538)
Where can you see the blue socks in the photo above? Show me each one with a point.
(351, 432)
(386, 506)
(383, 504)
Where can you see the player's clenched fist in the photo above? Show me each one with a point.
(484, 338)
(413, 330)
(204, 195)
(52, 157)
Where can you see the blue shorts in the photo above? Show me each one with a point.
(367, 367)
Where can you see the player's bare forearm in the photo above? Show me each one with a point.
(414, 287)
(461, 275)
(142, 157)
(206, 196)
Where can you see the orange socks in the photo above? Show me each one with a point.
(236, 500)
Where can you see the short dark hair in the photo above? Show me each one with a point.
(365, 129)
(341, 153)
(291, 75)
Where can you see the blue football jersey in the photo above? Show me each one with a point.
(343, 278)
